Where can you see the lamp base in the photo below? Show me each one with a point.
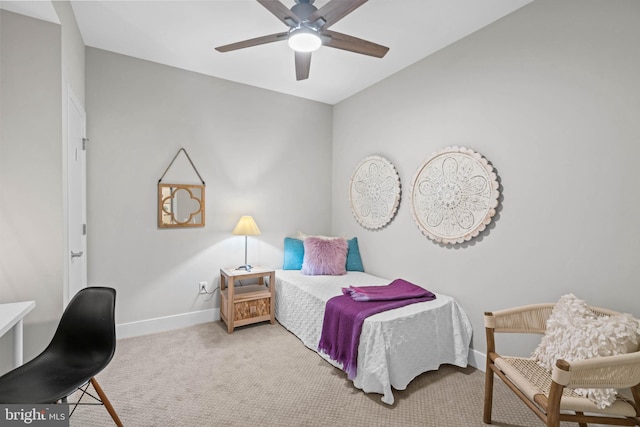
(247, 267)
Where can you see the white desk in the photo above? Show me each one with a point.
(11, 315)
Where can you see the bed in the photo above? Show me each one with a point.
(395, 346)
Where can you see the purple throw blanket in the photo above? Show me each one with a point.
(398, 289)
(344, 316)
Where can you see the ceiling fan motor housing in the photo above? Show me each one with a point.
(304, 10)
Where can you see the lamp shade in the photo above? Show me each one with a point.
(246, 226)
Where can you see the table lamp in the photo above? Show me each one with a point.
(246, 226)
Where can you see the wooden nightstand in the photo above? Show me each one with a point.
(248, 304)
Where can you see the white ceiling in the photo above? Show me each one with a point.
(184, 33)
(42, 10)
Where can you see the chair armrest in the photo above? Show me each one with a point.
(525, 319)
(619, 371)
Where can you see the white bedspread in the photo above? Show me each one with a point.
(395, 346)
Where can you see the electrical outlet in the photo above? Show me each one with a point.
(202, 287)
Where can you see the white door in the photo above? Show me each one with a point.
(77, 205)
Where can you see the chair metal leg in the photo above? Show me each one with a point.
(107, 403)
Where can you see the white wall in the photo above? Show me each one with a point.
(30, 172)
(39, 60)
(72, 51)
(550, 95)
(259, 152)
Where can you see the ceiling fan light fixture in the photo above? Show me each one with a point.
(303, 39)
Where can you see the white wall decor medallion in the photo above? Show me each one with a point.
(374, 192)
(454, 195)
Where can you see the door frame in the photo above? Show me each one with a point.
(72, 102)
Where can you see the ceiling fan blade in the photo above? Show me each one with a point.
(335, 10)
(280, 11)
(253, 42)
(353, 44)
(303, 64)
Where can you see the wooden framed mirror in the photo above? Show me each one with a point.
(180, 205)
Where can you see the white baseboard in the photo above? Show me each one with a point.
(477, 359)
(168, 323)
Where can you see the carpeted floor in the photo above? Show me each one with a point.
(262, 375)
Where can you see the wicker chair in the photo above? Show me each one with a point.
(550, 395)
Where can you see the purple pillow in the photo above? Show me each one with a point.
(324, 256)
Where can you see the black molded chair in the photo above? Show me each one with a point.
(82, 346)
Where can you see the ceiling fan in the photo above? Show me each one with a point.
(308, 30)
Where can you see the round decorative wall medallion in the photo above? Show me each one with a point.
(374, 192)
(454, 195)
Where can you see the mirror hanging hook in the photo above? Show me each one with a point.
(190, 161)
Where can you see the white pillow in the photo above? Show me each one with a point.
(303, 236)
(574, 332)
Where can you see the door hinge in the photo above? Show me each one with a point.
(84, 143)
(84, 229)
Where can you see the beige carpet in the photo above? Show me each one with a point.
(262, 375)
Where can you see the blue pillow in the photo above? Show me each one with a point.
(293, 254)
(354, 261)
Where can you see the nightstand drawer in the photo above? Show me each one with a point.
(250, 309)
(249, 302)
